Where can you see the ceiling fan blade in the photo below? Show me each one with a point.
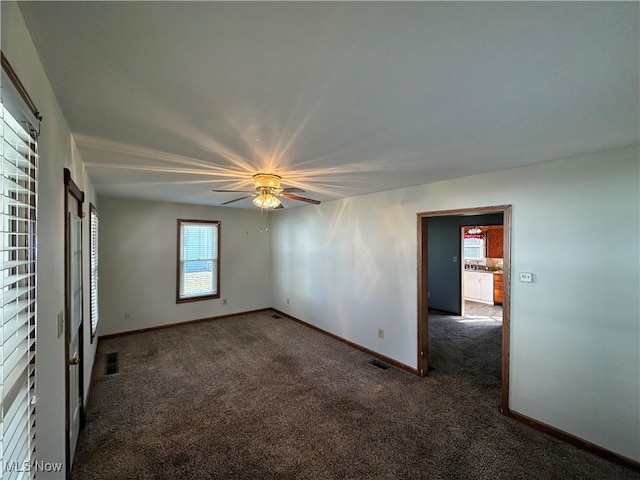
(279, 207)
(234, 191)
(302, 199)
(236, 200)
(292, 189)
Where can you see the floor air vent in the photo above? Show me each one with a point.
(276, 316)
(112, 363)
(379, 364)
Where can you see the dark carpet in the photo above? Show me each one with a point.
(470, 346)
(255, 397)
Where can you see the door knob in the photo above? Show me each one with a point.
(74, 361)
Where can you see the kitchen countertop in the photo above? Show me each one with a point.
(482, 270)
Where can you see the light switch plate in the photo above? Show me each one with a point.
(526, 277)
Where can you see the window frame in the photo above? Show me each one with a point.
(216, 259)
(93, 271)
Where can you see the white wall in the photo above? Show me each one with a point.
(137, 255)
(57, 151)
(350, 267)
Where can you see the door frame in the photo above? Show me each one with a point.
(423, 287)
(71, 191)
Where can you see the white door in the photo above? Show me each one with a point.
(75, 322)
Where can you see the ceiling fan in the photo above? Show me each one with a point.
(267, 192)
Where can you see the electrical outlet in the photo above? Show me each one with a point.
(455, 259)
(60, 323)
(287, 300)
(127, 315)
(380, 333)
(224, 301)
(428, 294)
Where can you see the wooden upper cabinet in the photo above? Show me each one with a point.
(495, 242)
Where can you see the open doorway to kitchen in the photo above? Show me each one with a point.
(482, 253)
(464, 334)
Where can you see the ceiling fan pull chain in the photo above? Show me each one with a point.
(261, 212)
(264, 213)
(266, 222)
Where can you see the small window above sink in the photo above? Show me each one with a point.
(474, 249)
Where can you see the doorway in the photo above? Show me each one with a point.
(424, 288)
(482, 252)
(74, 306)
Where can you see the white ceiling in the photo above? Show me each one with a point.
(169, 100)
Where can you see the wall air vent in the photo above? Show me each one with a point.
(112, 363)
(379, 364)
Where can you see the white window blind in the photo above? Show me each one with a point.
(198, 260)
(474, 249)
(18, 324)
(94, 269)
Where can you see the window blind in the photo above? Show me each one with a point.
(198, 259)
(473, 249)
(18, 183)
(94, 269)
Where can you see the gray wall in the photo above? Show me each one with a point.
(138, 248)
(443, 234)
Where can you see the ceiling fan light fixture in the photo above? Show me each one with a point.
(474, 232)
(268, 187)
(266, 200)
(268, 192)
(266, 180)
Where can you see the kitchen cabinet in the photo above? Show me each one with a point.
(478, 286)
(498, 288)
(495, 242)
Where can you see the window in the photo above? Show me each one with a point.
(198, 260)
(93, 253)
(474, 248)
(18, 185)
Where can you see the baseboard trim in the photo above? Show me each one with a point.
(577, 441)
(377, 355)
(181, 324)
